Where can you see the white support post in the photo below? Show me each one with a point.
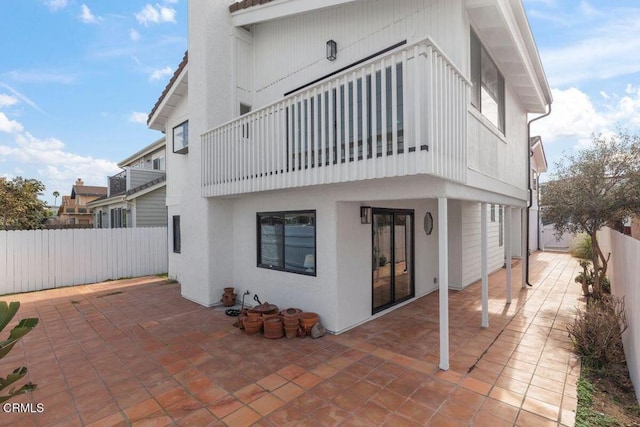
(523, 242)
(507, 248)
(484, 248)
(443, 273)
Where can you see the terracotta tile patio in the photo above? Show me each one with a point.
(134, 352)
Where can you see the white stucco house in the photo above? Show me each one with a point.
(136, 196)
(349, 156)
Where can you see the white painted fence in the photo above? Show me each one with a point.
(624, 273)
(42, 259)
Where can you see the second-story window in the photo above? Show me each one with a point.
(158, 163)
(181, 138)
(487, 93)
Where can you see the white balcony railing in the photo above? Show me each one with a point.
(403, 113)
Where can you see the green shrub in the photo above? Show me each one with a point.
(7, 312)
(597, 331)
(581, 247)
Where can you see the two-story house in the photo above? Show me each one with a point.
(136, 196)
(349, 156)
(74, 209)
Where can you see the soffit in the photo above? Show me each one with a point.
(249, 12)
(173, 94)
(504, 31)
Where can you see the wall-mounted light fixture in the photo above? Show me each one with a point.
(332, 50)
(428, 223)
(365, 214)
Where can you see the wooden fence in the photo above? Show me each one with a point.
(624, 273)
(32, 260)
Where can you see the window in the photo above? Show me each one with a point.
(493, 213)
(287, 241)
(176, 234)
(501, 227)
(181, 138)
(245, 109)
(158, 163)
(99, 219)
(118, 218)
(487, 93)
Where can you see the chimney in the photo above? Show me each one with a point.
(79, 181)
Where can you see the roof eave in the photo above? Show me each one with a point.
(277, 9)
(503, 27)
(175, 90)
(144, 151)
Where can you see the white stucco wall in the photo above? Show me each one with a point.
(341, 291)
(219, 235)
(360, 29)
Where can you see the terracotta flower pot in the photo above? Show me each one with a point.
(273, 328)
(252, 325)
(291, 332)
(292, 322)
(228, 298)
(290, 312)
(307, 320)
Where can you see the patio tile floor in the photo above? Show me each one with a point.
(134, 352)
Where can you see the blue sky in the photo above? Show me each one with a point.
(78, 78)
(589, 50)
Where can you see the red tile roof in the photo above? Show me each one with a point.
(245, 4)
(166, 90)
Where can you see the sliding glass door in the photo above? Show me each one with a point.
(392, 257)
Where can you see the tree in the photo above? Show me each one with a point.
(20, 207)
(596, 187)
(56, 194)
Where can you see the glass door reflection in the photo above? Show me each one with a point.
(392, 257)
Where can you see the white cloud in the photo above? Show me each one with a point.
(56, 4)
(574, 115)
(56, 167)
(9, 126)
(138, 117)
(160, 73)
(6, 100)
(87, 17)
(134, 35)
(21, 97)
(156, 14)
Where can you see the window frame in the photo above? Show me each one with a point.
(184, 127)
(479, 59)
(176, 233)
(281, 251)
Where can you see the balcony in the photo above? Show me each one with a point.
(74, 210)
(403, 113)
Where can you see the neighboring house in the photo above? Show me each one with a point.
(74, 209)
(136, 196)
(347, 156)
(538, 166)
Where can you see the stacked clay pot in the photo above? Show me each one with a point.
(273, 327)
(291, 321)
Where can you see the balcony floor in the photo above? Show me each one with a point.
(135, 352)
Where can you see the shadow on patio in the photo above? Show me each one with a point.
(135, 352)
